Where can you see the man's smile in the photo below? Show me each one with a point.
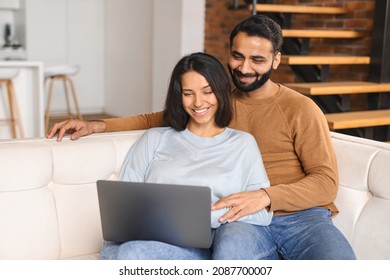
(245, 78)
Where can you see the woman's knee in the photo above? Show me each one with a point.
(109, 251)
(243, 241)
(154, 250)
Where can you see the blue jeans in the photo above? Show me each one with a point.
(239, 241)
(150, 250)
(305, 235)
(230, 241)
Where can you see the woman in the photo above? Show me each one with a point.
(197, 148)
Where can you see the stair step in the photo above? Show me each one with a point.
(324, 60)
(358, 119)
(300, 9)
(323, 33)
(327, 88)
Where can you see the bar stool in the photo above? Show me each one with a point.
(62, 73)
(14, 120)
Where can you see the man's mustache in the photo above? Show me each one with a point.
(240, 74)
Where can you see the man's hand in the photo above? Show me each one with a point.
(76, 128)
(242, 204)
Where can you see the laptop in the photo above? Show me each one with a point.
(174, 214)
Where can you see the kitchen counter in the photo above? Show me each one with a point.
(11, 54)
(29, 90)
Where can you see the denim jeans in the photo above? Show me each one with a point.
(150, 250)
(230, 241)
(240, 241)
(305, 235)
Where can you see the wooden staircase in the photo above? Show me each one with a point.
(317, 85)
(324, 60)
(319, 33)
(298, 9)
(328, 88)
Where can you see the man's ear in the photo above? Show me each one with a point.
(277, 59)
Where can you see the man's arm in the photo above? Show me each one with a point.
(312, 144)
(243, 204)
(79, 128)
(300, 180)
(144, 121)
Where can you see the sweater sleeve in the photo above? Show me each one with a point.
(140, 155)
(136, 161)
(138, 122)
(313, 146)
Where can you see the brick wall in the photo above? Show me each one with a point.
(220, 20)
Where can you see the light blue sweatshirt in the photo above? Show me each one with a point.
(227, 163)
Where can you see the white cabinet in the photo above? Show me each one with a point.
(9, 4)
(69, 32)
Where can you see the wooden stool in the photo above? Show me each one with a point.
(14, 120)
(62, 73)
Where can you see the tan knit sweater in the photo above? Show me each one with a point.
(294, 140)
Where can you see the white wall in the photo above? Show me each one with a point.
(178, 30)
(86, 48)
(144, 40)
(166, 47)
(69, 32)
(126, 49)
(128, 56)
(193, 16)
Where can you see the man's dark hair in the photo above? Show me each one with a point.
(215, 74)
(260, 26)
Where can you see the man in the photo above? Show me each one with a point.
(294, 140)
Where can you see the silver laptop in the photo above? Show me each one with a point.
(174, 214)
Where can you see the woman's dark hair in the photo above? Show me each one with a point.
(215, 74)
(260, 26)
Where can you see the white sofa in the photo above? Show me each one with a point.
(49, 209)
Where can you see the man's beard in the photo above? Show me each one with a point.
(253, 86)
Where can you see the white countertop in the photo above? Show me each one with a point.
(13, 54)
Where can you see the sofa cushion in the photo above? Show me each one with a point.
(364, 195)
(49, 207)
(29, 227)
(25, 165)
